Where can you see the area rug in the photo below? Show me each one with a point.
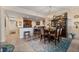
(40, 46)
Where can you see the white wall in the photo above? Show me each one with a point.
(33, 23)
(11, 25)
(0, 23)
(71, 27)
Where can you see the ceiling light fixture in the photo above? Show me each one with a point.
(50, 13)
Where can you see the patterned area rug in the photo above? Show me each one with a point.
(40, 46)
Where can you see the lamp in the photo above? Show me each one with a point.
(49, 17)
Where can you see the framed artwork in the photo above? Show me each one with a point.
(19, 23)
(38, 23)
(27, 23)
(76, 16)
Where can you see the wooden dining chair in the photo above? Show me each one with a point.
(42, 34)
(58, 35)
(52, 36)
(57, 32)
(46, 35)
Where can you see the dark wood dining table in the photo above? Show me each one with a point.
(49, 34)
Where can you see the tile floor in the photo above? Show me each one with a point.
(74, 46)
(22, 45)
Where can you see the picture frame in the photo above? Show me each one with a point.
(37, 22)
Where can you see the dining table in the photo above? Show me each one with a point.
(50, 34)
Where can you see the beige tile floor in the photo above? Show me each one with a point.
(74, 46)
(22, 46)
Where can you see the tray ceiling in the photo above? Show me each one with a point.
(44, 10)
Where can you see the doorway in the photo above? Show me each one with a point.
(11, 30)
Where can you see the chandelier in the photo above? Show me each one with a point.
(50, 16)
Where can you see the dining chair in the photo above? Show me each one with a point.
(52, 36)
(57, 35)
(42, 34)
(46, 35)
